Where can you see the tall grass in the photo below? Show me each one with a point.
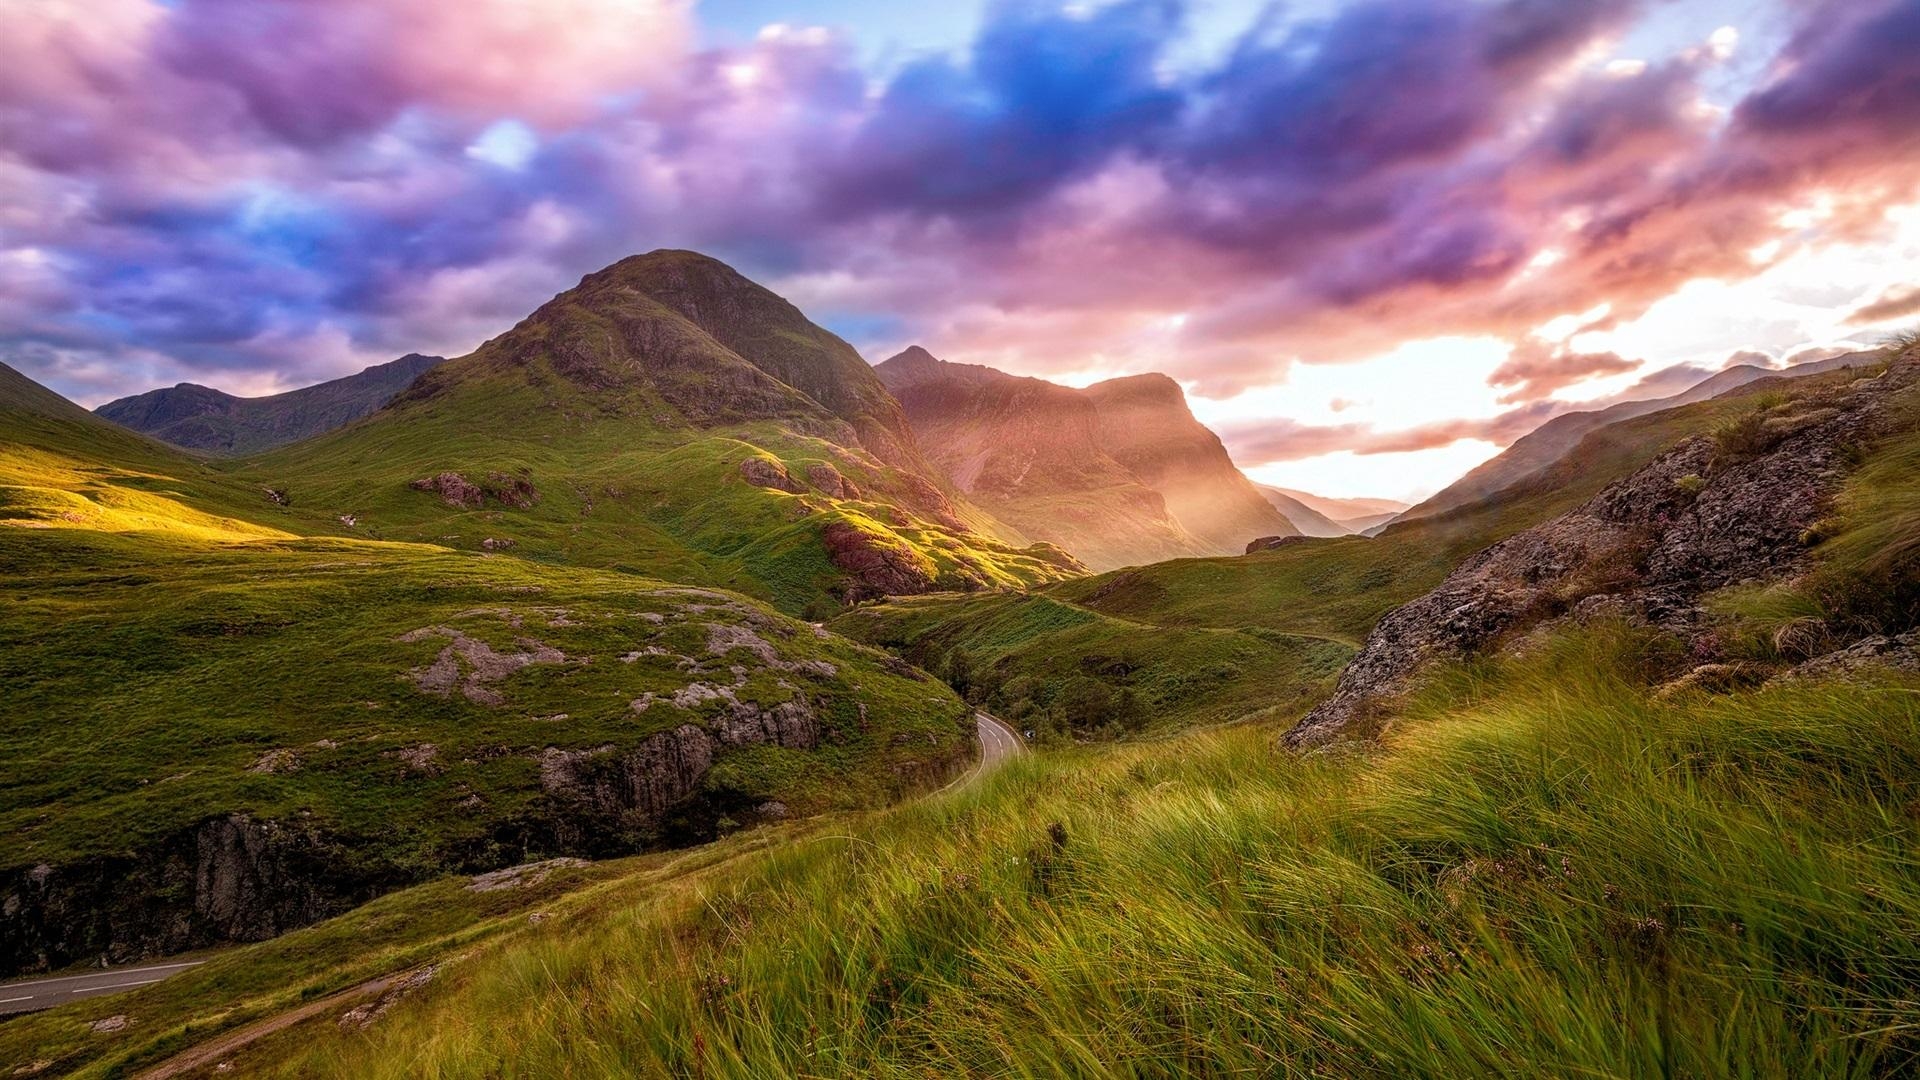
(1546, 873)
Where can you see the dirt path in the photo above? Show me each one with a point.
(209, 1053)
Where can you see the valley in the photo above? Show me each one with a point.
(657, 628)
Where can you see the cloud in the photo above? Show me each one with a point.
(1897, 302)
(288, 187)
(1256, 443)
(1537, 369)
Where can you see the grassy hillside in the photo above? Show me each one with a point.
(1062, 670)
(1548, 872)
(670, 418)
(1208, 640)
(189, 664)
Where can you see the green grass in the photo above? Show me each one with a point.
(1061, 670)
(1208, 640)
(396, 933)
(179, 647)
(1545, 871)
(624, 483)
(149, 678)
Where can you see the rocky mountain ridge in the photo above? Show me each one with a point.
(1743, 505)
(1119, 473)
(1540, 448)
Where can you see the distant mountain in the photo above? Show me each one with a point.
(1346, 515)
(1343, 509)
(1309, 521)
(1119, 474)
(670, 416)
(202, 418)
(1552, 440)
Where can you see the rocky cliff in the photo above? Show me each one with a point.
(1119, 474)
(1739, 506)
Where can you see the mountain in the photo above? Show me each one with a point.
(1120, 473)
(1341, 511)
(1146, 425)
(202, 418)
(666, 416)
(1309, 521)
(231, 713)
(1550, 441)
(1033, 453)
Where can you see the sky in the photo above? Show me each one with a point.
(1376, 240)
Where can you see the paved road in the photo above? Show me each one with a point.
(35, 994)
(998, 745)
(998, 742)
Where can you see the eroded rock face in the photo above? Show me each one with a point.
(830, 482)
(462, 494)
(877, 566)
(766, 473)
(1695, 519)
(230, 878)
(640, 785)
(1268, 543)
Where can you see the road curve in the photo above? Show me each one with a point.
(33, 994)
(999, 744)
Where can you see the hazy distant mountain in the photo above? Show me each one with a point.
(1146, 425)
(1309, 521)
(1119, 474)
(1352, 515)
(1550, 441)
(202, 418)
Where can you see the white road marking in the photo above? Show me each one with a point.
(115, 986)
(5, 1001)
(104, 974)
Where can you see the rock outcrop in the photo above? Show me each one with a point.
(876, 565)
(230, 878)
(516, 492)
(1268, 543)
(768, 473)
(1711, 512)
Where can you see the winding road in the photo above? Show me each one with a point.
(999, 744)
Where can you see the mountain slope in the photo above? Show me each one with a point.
(1550, 441)
(1031, 452)
(225, 720)
(1343, 510)
(1744, 506)
(1120, 473)
(202, 418)
(1146, 426)
(670, 417)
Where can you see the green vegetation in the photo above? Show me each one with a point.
(1212, 640)
(156, 684)
(1546, 871)
(404, 931)
(182, 645)
(1062, 670)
